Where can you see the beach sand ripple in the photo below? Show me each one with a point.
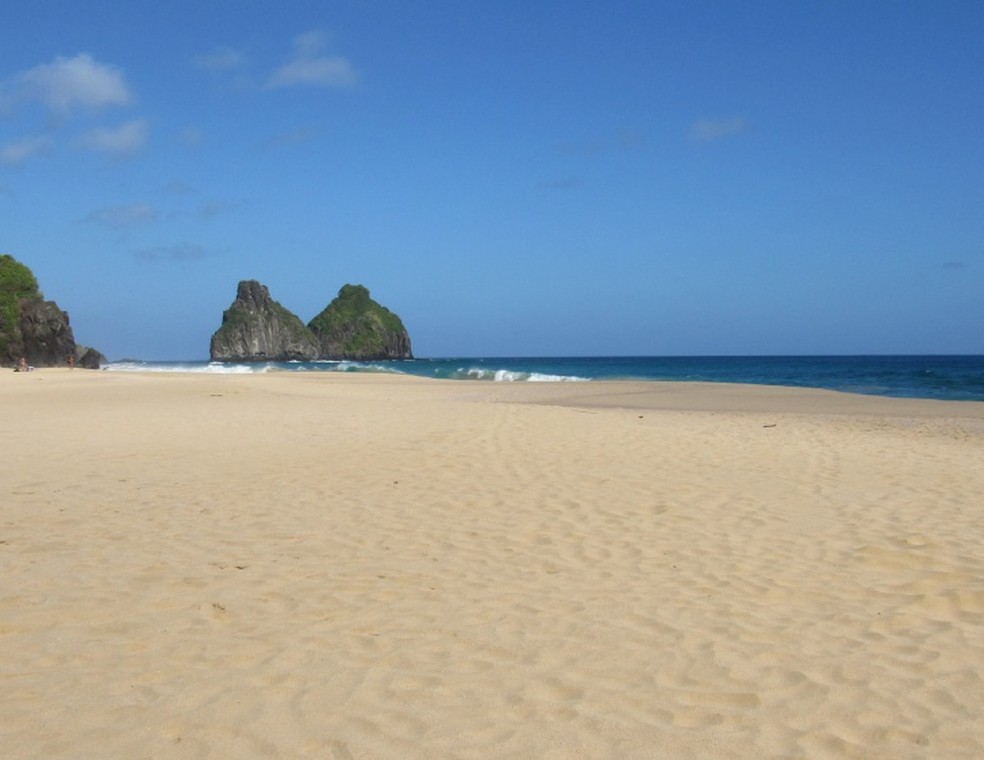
(383, 567)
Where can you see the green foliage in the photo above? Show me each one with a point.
(353, 326)
(362, 323)
(17, 282)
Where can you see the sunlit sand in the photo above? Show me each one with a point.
(365, 566)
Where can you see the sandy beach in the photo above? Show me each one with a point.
(369, 566)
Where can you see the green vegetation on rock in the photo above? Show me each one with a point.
(353, 326)
(17, 283)
(33, 329)
(16, 280)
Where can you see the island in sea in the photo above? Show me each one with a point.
(352, 327)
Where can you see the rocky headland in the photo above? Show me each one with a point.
(35, 332)
(352, 326)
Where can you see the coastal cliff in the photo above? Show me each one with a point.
(32, 329)
(257, 328)
(352, 326)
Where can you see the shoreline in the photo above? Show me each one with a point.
(381, 566)
(930, 377)
(656, 395)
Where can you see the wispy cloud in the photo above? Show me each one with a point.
(584, 147)
(561, 183)
(179, 252)
(179, 187)
(63, 87)
(294, 137)
(68, 83)
(954, 264)
(120, 217)
(630, 139)
(16, 153)
(192, 137)
(222, 59)
(124, 140)
(626, 140)
(309, 65)
(217, 208)
(710, 130)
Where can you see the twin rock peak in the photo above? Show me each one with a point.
(353, 326)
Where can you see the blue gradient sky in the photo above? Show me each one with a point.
(512, 178)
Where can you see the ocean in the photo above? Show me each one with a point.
(956, 378)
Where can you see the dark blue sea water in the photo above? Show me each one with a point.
(936, 377)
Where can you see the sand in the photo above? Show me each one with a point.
(365, 566)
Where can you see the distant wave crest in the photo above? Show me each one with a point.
(448, 372)
(511, 376)
(217, 368)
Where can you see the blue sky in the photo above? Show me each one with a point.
(511, 178)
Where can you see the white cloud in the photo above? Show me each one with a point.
(310, 44)
(327, 71)
(221, 59)
(119, 217)
(66, 83)
(16, 153)
(709, 130)
(309, 66)
(124, 140)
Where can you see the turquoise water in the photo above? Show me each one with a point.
(937, 377)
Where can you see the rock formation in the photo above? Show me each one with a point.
(46, 334)
(32, 328)
(257, 328)
(353, 326)
(88, 358)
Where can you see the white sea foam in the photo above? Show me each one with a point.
(941, 377)
(217, 368)
(537, 377)
(352, 366)
(244, 368)
(514, 376)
